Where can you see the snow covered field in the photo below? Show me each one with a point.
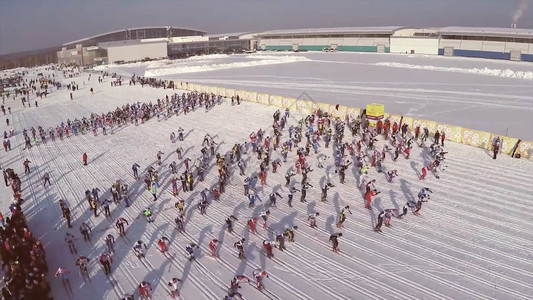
(488, 95)
(471, 240)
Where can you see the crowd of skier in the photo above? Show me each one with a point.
(335, 144)
(23, 256)
(134, 113)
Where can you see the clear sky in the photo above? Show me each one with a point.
(34, 24)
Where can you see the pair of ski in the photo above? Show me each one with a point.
(145, 264)
(125, 238)
(260, 288)
(167, 255)
(274, 259)
(112, 280)
(68, 288)
(85, 275)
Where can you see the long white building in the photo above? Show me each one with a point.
(495, 43)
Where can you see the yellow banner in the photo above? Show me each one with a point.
(432, 126)
(252, 96)
(525, 149)
(453, 133)
(341, 112)
(262, 98)
(276, 101)
(338, 111)
(221, 91)
(353, 112)
(313, 107)
(394, 118)
(332, 111)
(242, 95)
(507, 144)
(230, 93)
(289, 103)
(476, 138)
(408, 121)
(303, 106)
(324, 107)
(375, 109)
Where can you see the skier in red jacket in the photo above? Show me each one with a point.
(213, 245)
(251, 224)
(163, 244)
(144, 289)
(368, 197)
(424, 173)
(267, 245)
(84, 158)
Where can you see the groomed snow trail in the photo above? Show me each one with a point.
(471, 240)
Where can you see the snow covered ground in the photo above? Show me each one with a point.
(471, 240)
(488, 95)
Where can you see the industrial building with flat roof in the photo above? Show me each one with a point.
(496, 43)
(164, 41)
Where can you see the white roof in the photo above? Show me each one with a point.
(239, 34)
(378, 29)
(122, 30)
(106, 45)
(488, 31)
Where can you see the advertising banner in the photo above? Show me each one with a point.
(252, 96)
(262, 98)
(324, 107)
(303, 106)
(230, 93)
(476, 138)
(507, 144)
(242, 95)
(353, 112)
(408, 121)
(289, 103)
(525, 149)
(394, 118)
(374, 113)
(453, 133)
(276, 101)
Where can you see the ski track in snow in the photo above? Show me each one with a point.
(470, 242)
(485, 71)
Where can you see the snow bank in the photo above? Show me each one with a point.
(264, 60)
(160, 63)
(485, 71)
(204, 57)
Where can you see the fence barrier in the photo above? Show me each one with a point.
(458, 134)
